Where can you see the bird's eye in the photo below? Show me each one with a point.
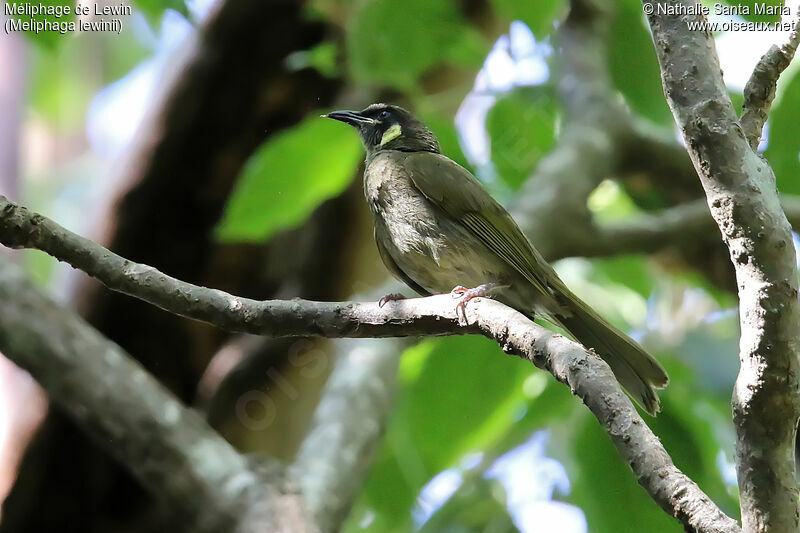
(384, 115)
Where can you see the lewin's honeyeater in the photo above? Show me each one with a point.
(437, 228)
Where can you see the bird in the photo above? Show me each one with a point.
(438, 230)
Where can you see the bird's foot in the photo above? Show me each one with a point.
(393, 297)
(464, 295)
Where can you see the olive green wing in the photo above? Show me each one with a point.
(460, 195)
(453, 189)
(395, 270)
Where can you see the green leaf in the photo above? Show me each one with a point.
(60, 89)
(458, 395)
(153, 9)
(445, 131)
(632, 271)
(321, 57)
(540, 16)
(393, 42)
(603, 485)
(737, 99)
(288, 177)
(695, 425)
(610, 202)
(633, 64)
(60, 24)
(613, 298)
(783, 152)
(521, 126)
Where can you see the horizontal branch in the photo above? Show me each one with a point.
(586, 374)
(650, 232)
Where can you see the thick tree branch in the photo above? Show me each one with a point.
(587, 375)
(760, 89)
(601, 139)
(206, 484)
(741, 192)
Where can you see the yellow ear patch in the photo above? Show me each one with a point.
(392, 133)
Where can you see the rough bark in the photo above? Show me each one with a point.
(586, 374)
(601, 140)
(760, 89)
(225, 92)
(206, 484)
(743, 198)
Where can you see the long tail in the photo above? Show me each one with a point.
(634, 368)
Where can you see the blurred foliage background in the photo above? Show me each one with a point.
(477, 442)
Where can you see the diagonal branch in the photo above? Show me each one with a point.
(335, 457)
(207, 485)
(587, 375)
(743, 198)
(760, 89)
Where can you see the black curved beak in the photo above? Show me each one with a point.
(354, 118)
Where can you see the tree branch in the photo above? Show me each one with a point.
(586, 151)
(225, 91)
(335, 457)
(759, 92)
(650, 232)
(587, 375)
(741, 192)
(206, 484)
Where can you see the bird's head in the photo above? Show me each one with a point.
(389, 127)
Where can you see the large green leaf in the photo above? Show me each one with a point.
(540, 16)
(632, 271)
(393, 42)
(695, 426)
(60, 25)
(60, 90)
(458, 395)
(288, 177)
(521, 126)
(633, 64)
(603, 485)
(445, 131)
(153, 9)
(783, 152)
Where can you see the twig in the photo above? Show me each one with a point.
(586, 374)
(759, 92)
(744, 201)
